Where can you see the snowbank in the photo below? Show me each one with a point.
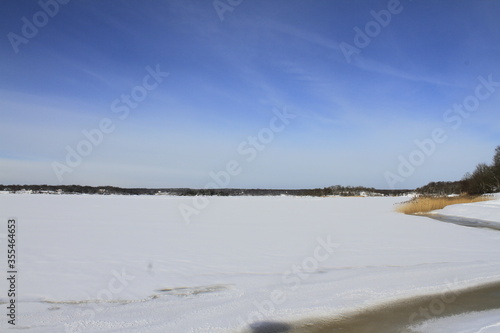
(487, 211)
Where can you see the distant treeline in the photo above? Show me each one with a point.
(441, 188)
(485, 179)
(106, 190)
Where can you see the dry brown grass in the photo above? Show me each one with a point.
(420, 205)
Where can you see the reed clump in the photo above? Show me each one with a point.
(425, 204)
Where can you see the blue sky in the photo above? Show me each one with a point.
(355, 118)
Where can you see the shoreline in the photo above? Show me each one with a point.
(396, 316)
(463, 221)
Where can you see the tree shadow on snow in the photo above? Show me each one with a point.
(270, 327)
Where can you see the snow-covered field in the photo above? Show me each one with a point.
(131, 263)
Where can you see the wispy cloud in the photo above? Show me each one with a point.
(373, 66)
(304, 35)
(226, 78)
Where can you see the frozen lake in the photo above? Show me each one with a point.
(133, 264)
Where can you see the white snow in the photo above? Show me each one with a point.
(99, 263)
(488, 211)
(476, 322)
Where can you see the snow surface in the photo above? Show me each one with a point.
(487, 211)
(477, 322)
(132, 264)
